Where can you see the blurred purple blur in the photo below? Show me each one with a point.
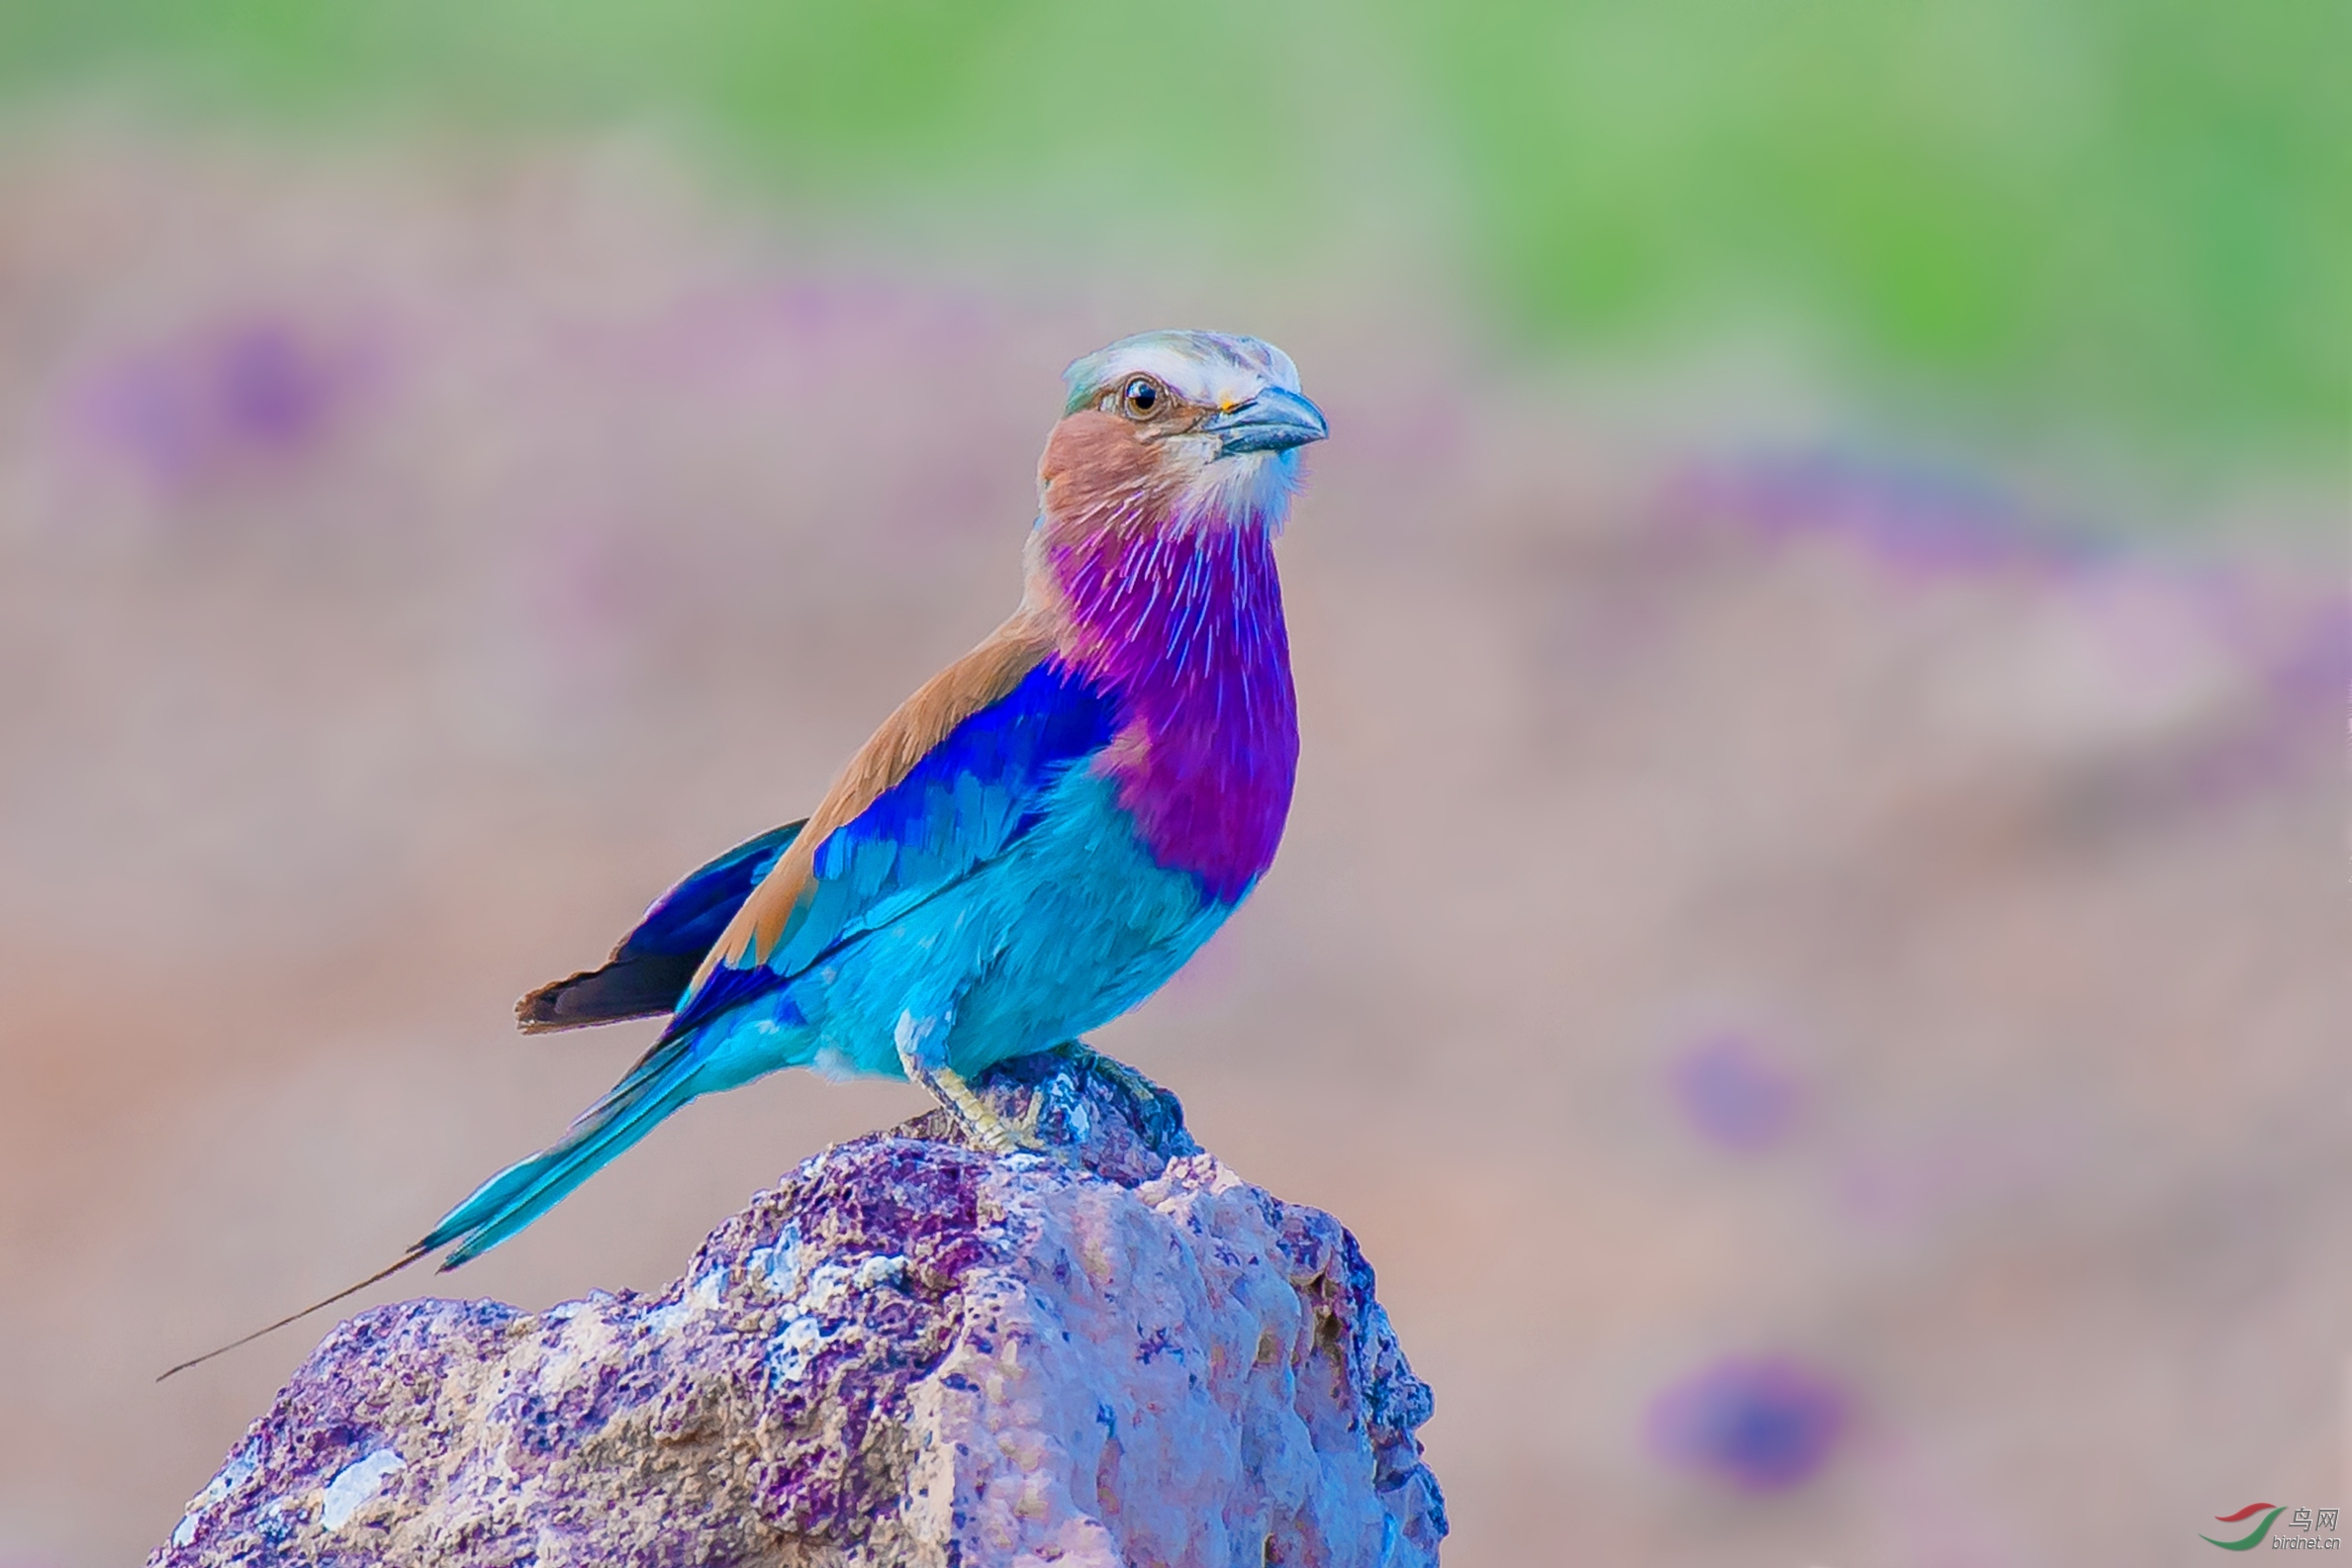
(1733, 1094)
(1761, 1424)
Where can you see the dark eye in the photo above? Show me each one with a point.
(1138, 397)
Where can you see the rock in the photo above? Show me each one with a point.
(908, 1352)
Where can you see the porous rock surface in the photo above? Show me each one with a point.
(908, 1352)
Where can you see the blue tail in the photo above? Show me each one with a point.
(669, 1075)
(657, 1085)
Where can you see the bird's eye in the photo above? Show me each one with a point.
(1138, 397)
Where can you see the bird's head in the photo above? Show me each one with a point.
(1180, 429)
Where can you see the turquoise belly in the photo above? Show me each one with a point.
(1072, 927)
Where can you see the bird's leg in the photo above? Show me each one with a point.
(915, 1041)
(999, 1134)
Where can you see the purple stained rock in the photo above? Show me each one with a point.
(909, 1352)
(1761, 1424)
(1733, 1094)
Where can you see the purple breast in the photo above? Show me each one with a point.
(1186, 626)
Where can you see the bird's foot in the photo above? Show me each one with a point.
(1140, 1089)
(1156, 1115)
(995, 1132)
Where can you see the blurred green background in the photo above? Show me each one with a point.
(2123, 220)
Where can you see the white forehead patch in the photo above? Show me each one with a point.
(1216, 369)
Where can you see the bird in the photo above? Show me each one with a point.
(1031, 844)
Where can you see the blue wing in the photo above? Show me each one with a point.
(962, 803)
(650, 970)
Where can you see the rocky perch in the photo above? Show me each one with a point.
(908, 1352)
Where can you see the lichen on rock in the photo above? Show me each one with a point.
(908, 1352)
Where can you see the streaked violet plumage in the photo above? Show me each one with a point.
(1187, 630)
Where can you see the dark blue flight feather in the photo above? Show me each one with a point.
(649, 971)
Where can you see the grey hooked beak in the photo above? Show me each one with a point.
(1274, 420)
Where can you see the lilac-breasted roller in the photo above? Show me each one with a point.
(1039, 837)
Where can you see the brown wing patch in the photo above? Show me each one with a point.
(921, 722)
